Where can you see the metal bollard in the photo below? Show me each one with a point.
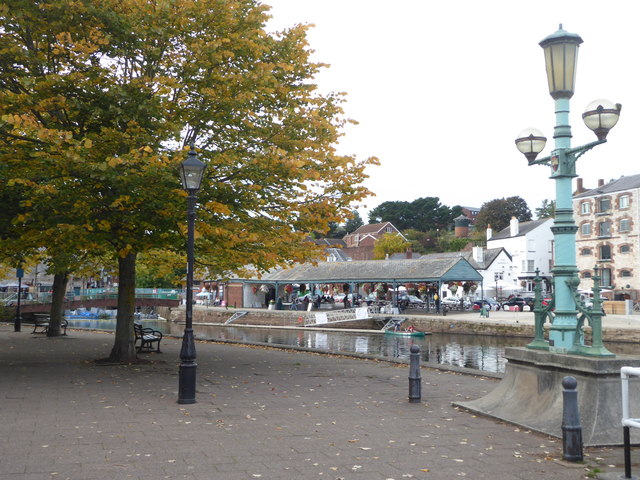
(415, 385)
(627, 455)
(571, 428)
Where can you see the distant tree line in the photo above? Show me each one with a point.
(422, 214)
(428, 225)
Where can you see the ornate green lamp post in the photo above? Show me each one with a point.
(191, 173)
(561, 55)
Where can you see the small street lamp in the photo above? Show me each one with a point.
(561, 55)
(191, 173)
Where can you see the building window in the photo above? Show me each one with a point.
(625, 273)
(585, 208)
(604, 229)
(585, 229)
(604, 205)
(605, 252)
(586, 274)
(625, 248)
(624, 201)
(585, 251)
(605, 277)
(531, 265)
(389, 229)
(625, 225)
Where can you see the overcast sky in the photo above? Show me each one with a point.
(442, 89)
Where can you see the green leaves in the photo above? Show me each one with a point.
(100, 96)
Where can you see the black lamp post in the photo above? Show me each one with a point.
(18, 320)
(191, 172)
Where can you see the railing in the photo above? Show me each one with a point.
(338, 316)
(92, 294)
(235, 316)
(627, 421)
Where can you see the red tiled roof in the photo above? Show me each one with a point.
(371, 228)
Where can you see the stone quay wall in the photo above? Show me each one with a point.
(468, 323)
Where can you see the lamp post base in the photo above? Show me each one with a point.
(530, 394)
(188, 365)
(187, 383)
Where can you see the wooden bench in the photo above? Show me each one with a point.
(147, 337)
(41, 324)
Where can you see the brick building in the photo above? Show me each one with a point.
(609, 235)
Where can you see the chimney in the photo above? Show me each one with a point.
(478, 255)
(514, 227)
(489, 232)
(600, 182)
(409, 253)
(579, 186)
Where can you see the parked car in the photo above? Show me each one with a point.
(489, 303)
(588, 300)
(455, 302)
(339, 297)
(372, 299)
(410, 301)
(519, 302)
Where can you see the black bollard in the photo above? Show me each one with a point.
(415, 385)
(627, 454)
(571, 428)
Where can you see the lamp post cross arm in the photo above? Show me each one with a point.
(582, 149)
(570, 153)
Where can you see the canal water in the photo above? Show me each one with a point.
(477, 352)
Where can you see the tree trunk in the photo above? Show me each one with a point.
(60, 281)
(124, 347)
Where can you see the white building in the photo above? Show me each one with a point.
(494, 264)
(530, 245)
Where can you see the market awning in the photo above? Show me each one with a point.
(426, 269)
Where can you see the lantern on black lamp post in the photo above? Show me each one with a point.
(191, 173)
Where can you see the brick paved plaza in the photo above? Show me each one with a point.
(261, 413)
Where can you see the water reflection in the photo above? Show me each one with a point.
(477, 352)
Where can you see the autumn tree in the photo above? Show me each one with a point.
(161, 269)
(98, 99)
(388, 244)
(498, 213)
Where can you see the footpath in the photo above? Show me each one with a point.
(261, 413)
